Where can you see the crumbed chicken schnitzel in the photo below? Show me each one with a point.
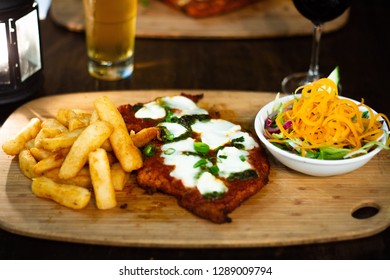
(210, 165)
(199, 9)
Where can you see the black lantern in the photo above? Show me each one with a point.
(20, 50)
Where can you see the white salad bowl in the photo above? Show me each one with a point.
(314, 167)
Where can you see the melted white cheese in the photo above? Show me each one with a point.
(186, 145)
(184, 168)
(208, 183)
(232, 160)
(249, 143)
(215, 132)
(174, 128)
(183, 105)
(218, 132)
(151, 110)
(173, 154)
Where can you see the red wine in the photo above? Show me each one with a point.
(320, 11)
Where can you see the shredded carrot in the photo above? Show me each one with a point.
(320, 118)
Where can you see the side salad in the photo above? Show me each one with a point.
(318, 124)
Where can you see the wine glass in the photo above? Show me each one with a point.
(319, 12)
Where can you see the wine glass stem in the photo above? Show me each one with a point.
(313, 73)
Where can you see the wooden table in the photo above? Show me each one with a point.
(360, 49)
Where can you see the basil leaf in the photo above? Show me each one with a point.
(244, 175)
(213, 195)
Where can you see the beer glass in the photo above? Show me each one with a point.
(110, 34)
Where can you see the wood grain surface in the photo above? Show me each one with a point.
(292, 209)
(268, 18)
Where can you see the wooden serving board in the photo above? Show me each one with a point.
(268, 18)
(292, 209)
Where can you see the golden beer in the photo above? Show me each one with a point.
(110, 35)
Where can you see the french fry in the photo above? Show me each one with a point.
(54, 124)
(84, 171)
(30, 144)
(54, 153)
(82, 179)
(45, 133)
(27, 163)
(144, 136)
(40, 154)
(49, 129)
(127, 153)
(111, 157)
(16, 144)
(78, 122)
(64, 115)
(94, 117)
(71, 196)
(89, 140)
(53, 161)
(106, 145)
(60, 141)
(118, 176)
(103, 188)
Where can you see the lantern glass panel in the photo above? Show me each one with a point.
(27, 31)
(4, 66)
